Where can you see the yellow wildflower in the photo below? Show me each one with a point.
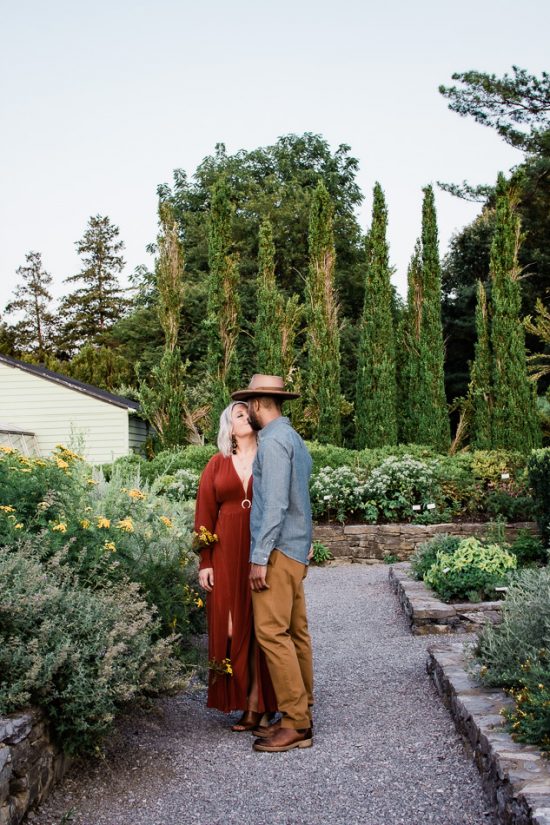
(136, 494)
(85, 523)
(103, 523)
(7, 450)
(199, 602)
(92, 481)
(18, 526)
(7, 508)
(166, 521)
(25, 470)
(61, 463)
(60, 527)
(125, 524)
(110, 545)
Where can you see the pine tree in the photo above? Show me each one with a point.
(323, 337)
(93, 308)
(375, 406)
(436, 426)
(33, 332)
(515, 422)
(480, 377)
(223, 309)
(164, 399)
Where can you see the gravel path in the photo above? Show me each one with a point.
(385, 749)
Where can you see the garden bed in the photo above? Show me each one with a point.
(427, 614)
(515, 777)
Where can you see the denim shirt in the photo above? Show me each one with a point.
(280, 517)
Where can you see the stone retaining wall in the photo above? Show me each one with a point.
(515, 777)
(29, 764)
(428, 614)
(370, 543)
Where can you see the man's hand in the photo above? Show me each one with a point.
(206, 578)
(257, 577)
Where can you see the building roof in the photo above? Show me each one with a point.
(71, 383)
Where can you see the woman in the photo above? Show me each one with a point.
(238, 678)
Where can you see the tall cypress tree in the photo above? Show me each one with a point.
(269, 315)
(436, 428)
(323, 336)
(515, 422)
(223, 308)
(163, 399)
(480, 378)
(410, 374)
(375, 406)
(32, 298)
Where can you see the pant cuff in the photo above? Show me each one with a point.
(301, 724)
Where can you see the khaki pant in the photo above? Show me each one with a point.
(281, 630)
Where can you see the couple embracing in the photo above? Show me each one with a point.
(254, 517)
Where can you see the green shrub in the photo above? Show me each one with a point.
(426, 553)
(181, 486)
(79, 653)
(369, 459)
(511, 507)
(194, 457)
(539, 479)
(339, 493)
(127, 467)
(471, 572)
(327, 455)
(398, 484)
(516, 655)
(489, 465)
(528, 549)
(321, 553)
(461, 491)
(96, 521)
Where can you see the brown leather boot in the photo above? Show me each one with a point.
(266, 731)
(285, 739)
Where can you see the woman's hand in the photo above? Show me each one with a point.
(310, 554)
(206, 578)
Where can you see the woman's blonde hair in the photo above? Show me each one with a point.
(225, 444)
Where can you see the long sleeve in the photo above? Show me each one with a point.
(206, 509)
(274, 493)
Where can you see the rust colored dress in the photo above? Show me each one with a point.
(219, 509)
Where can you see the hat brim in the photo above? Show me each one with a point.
(244, 395)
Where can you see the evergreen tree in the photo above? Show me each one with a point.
(375, 406)
(436, 426)
(33, 332)
(410, 374)
(100, 366)
(515, 423)
(323, 376)
(223, 308)
(480, 383)
(163, 400)
(93, 308)
(267, 336)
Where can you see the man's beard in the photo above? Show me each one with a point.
(253, 421)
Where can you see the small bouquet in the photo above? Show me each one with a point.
(203, 539)
(223, 668)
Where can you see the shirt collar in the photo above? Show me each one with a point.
(282, 419)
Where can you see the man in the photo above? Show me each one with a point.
(281, 533)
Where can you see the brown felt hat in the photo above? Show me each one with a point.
(264, 385)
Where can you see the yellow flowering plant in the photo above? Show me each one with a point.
(203, 538)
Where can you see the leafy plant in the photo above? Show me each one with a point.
(426, 553)
(528, 549)
(339, 493)
(472, 571)
(321, 553)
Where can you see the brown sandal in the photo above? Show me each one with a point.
(248, 721)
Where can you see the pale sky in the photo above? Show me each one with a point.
(101, 101)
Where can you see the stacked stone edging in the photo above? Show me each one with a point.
(370, 543)
(29, 764)
(516, 777)
(428, 614)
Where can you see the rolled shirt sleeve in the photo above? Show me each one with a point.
(272, 493)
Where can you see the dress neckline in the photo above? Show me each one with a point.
(245, 489)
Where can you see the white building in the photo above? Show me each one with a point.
(48, 409)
